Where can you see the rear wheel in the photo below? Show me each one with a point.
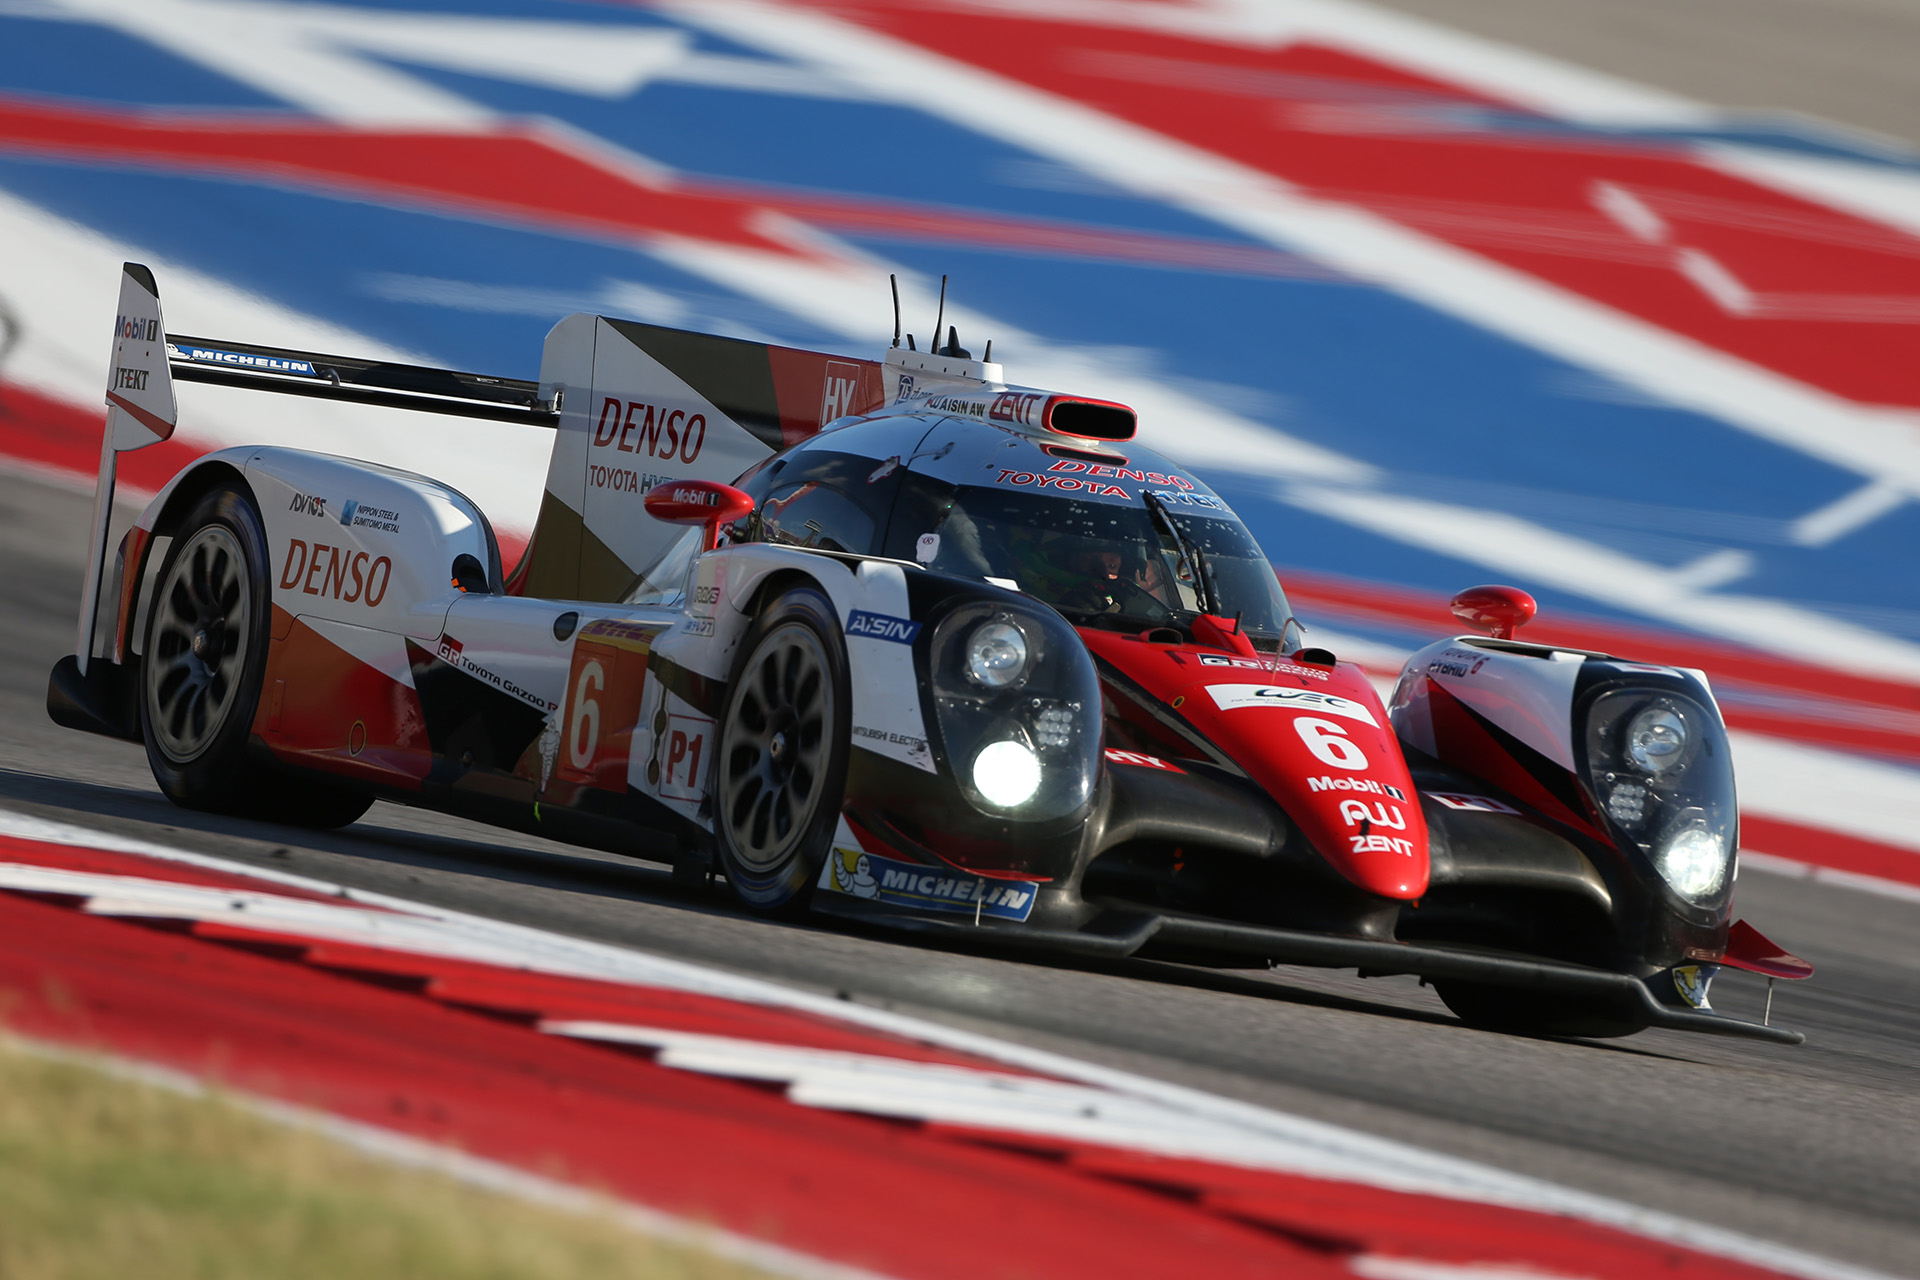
(1534, 1013)
(206, 652)
(783, 753)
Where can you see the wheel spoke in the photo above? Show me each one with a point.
(758, 828)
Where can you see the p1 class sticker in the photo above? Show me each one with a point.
(927, 549)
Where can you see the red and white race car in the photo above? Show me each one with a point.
(900, 641)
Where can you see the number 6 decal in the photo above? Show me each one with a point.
(583, 735)
(1329, 743)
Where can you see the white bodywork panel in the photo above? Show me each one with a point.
(361, 544)
(1530, 697)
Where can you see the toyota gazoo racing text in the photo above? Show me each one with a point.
(897, 640)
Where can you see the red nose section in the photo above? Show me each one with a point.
(1314, 737)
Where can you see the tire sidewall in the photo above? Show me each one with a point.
(788, 887)
(221, 773)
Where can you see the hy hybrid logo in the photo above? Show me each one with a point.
(837, 396)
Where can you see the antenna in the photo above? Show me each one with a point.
(988, 357)
(894, 280)
(942, 317)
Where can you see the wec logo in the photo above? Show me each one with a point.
(1231, 697)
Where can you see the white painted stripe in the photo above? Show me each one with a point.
(1382, 1162)
(474, 1171)
(1752, 860)
(1818, 787)
(1876, 192)
(1845, 514)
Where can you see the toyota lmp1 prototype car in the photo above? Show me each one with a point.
(898, 641)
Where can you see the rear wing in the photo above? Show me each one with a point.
(369, 382)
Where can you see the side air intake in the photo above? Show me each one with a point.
(1090, 419)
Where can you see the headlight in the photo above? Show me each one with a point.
(1006, 773)
(1662, 777)
(1017, 702)
(996, 654)
(1694, 861)
(1656, 739)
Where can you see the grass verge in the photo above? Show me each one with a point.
(107, 1177)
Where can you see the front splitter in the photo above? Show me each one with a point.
(1117, 934)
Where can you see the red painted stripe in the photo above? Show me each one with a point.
(152, 422)
(864, 1191)
(63, 436)
(1838, 293)
(525, 175)
(916, 1200)
(106, 862)
(1822, 848)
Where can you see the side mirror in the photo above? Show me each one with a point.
(1499, 611)
(701, 502)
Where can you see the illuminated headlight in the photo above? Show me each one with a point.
(1694, 861)
(1657, 739)
(996, 654)
(1006, 773)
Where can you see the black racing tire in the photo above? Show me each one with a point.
(782, 755)
(204, 661)
(1534, 1013)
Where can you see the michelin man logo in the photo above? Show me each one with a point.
(853, 873)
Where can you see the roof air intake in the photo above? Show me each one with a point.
(1091, 419)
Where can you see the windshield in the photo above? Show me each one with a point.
(1096, 561)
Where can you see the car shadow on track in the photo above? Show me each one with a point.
(143, 814)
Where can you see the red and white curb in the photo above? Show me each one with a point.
(808, 1135)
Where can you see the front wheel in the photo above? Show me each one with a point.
(783, 753)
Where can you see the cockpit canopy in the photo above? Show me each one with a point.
(1126, 541)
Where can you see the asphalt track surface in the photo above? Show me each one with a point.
(1816, 1146)
(1847, 61)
